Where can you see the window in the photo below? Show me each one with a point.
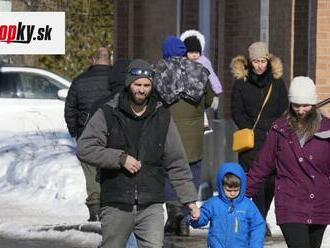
(28, 85)
(34, 86)
(8, 85)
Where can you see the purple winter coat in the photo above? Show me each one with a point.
(215, 82)
(302, 185)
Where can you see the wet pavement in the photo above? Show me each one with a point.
(197, 239)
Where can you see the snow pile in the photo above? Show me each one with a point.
(41, 183)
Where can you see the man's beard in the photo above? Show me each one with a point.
(139, 103)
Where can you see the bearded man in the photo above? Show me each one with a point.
(134, 142)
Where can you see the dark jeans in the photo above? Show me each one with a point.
(170, 195)
(303, 235)
(264, 197)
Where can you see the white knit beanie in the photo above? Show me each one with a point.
(302, 91)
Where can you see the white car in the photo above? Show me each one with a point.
(31, 100)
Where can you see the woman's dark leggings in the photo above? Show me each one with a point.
(303, 235)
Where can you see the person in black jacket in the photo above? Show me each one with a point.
(88, 87)
(253, 78)
(135, 152)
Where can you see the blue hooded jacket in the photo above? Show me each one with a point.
(234, 223)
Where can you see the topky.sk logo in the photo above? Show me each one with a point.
(24, 33)
(32, 33)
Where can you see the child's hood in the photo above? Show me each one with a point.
(235, 169)
(173, 46)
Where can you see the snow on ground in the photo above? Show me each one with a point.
(42, 184)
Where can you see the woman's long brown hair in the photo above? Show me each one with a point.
(307, 126)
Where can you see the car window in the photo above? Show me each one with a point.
(37, 86)
(8, 85)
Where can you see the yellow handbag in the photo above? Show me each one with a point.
(243, 139)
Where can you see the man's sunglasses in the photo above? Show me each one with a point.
(141, 72)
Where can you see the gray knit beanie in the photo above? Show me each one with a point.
(138, 68)
(258, 50)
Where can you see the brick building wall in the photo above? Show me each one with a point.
(120, 34)
(299, 33)
(280, 38)
(322, 75)
(241, 28)
(189, 15)
(141, 26)
(219, 37)
(312, 39)
(301, 26)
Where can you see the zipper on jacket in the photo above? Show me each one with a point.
(230, 223)
(231, 208)
(119, 120)
(236, 225)
(136, 200)
(135, 194)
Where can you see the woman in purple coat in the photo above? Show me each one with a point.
(299, 144)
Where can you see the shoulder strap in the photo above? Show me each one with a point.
(108, 115)
(263, 105)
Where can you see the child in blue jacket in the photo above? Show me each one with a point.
(235, 221)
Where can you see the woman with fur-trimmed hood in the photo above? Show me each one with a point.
(253, 78)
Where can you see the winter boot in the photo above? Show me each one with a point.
(171, 225)
(94, 214)
(183, 228)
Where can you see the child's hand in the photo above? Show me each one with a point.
(194, 211)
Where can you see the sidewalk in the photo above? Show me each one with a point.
(197, 239)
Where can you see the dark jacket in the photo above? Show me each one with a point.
(302, 184)
(233, 224)
(159, 151)
(88, 87)
(248, 94)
